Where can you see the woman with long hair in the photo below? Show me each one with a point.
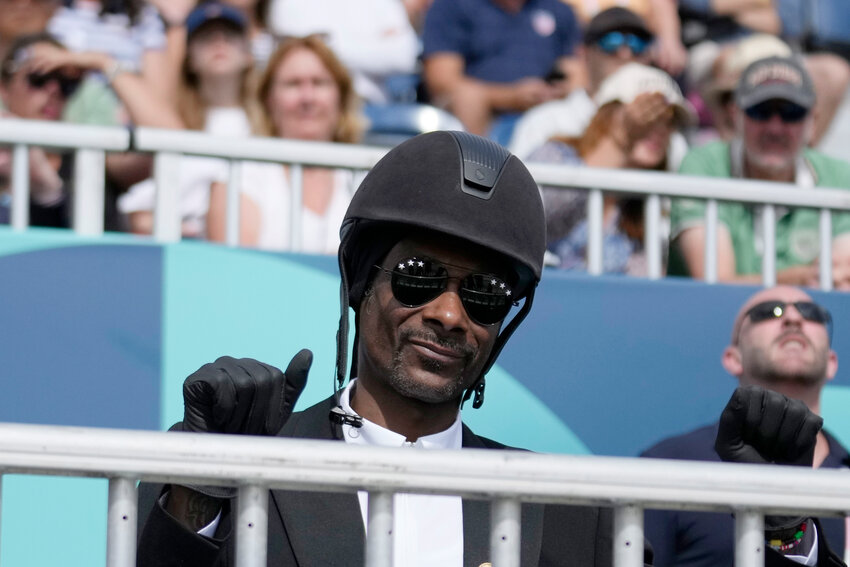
(639, 108)
(216, 95)
(306, 94)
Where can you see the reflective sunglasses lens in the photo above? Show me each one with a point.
(416, 282)
(611, 42)
(637, 44)
(487, 299)
(766, 310)
(812, 312)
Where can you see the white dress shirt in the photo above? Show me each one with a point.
(428, 530)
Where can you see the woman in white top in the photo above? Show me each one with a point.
(307, 94)
(215, 95)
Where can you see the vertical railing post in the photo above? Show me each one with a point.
(768, 259)
(296, 201)
(20, 213)
(505, 532)
(595, 213)
(652, 236)
(710, 266)
(749, 539)
(825, 264)
(252, 526)
(121, 519)
(167, 222)
(89, 191)
(234, 203)
(628, 536)
(379, 532)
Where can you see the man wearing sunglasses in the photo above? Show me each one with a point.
(613, 38)
(774, 119)
(27, 92)
(780, 342)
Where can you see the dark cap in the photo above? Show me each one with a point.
(782, 78)
(615, 19)
(214, 11)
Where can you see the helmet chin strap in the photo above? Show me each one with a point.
(477, 387)
(337, 414)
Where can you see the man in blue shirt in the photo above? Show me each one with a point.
(488, 58)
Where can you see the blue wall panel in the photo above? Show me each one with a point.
(102, 332)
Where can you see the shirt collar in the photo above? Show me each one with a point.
(373, 434)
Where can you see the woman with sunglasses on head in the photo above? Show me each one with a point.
(217, 96)
(306, 94)
(639, 109)
(29, 93)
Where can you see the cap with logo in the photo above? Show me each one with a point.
(782, 78)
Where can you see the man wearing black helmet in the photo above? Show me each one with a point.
(443, 237)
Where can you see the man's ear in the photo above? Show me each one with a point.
(831, 365)
(731, 361)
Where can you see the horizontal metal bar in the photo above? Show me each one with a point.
(277, 150)
(482, 474)
(61, 135)
(676, 185)
(49, 134)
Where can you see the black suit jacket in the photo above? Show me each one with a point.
(323, 529)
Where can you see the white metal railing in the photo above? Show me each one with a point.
(167, 145)
(506, 478)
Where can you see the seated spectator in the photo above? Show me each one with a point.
(373, 38)
(639, 108)
(132, 34)
(718, 89)
(780, 342)
(774, 100)
(29, 93)
(216, 96)
(307, 94)
(485, 59)
(662, 17)
(709, 26)
(613, 38)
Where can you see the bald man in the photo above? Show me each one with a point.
(780, 341)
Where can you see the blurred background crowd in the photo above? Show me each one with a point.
(640, 84)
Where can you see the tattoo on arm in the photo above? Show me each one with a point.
(201, 510)
(193, 509)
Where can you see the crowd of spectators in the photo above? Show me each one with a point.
(625, 84)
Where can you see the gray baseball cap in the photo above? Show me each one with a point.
(782, 78)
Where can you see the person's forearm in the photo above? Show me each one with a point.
(191, 508)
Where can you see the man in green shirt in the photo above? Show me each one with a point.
(774, 122)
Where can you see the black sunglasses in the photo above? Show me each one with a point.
(808, 310)
(417, 281)
(611, 42)
(788, 111)
(67, 85)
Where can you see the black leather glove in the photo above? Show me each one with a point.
(242, 396)
(763, 426)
